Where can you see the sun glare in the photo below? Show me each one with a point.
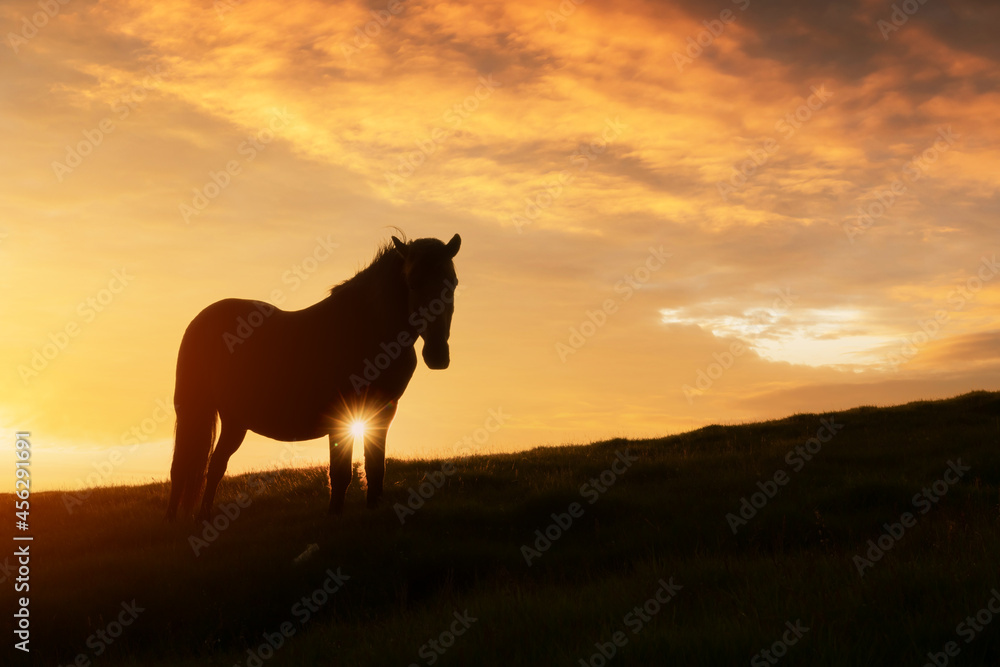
(358, 428)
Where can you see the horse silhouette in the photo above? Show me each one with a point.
(312, 372)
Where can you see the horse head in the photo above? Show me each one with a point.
(430, 282)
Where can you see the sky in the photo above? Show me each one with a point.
(673, 214)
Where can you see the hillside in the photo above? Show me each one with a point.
(872, 536)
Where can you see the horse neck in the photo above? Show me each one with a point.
(379, 295)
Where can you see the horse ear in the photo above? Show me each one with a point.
(454, 244)
(400, 246)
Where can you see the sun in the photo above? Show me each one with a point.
(358, 428)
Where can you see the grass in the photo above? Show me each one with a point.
(663, 517)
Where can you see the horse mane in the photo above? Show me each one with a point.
(385, 255)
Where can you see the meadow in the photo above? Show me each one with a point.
(863, 537)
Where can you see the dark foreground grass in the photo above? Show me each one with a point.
(664, 519)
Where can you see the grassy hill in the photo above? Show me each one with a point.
(621, 522)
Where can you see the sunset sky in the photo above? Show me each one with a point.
(642, 189)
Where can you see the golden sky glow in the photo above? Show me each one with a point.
(672, 213)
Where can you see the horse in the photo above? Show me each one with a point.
(310, 373)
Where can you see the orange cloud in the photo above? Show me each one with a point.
(563, 141)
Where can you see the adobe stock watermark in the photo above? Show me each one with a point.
(103, 470)
(779, 649)
(636, 620)
(99, 642)
(796, 459)
(543, 199)
(565, 9)
(88, 310)
(223, 7)
(293, 277)
(900, 14)
(432, 651)
(930, 328)
(885, 198)
(303, 611)
(227, 513)
(591, 490)
(254, 144)
(706, 377)
(365, 34)
(787, 126)
(454, 117)
(705, 38)
(30, 25)
(969, 629)
(304, 269)
(420, 319)
(94, 137)
(597, 318)
(924, 501)
(434, 480)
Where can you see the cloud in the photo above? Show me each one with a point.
(562, 145)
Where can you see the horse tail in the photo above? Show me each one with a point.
(193, 438)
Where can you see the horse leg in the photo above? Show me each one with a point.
(375, 436)
(229, 441)
(341, 453)
(374, 466)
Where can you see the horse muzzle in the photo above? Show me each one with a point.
(437, 357)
